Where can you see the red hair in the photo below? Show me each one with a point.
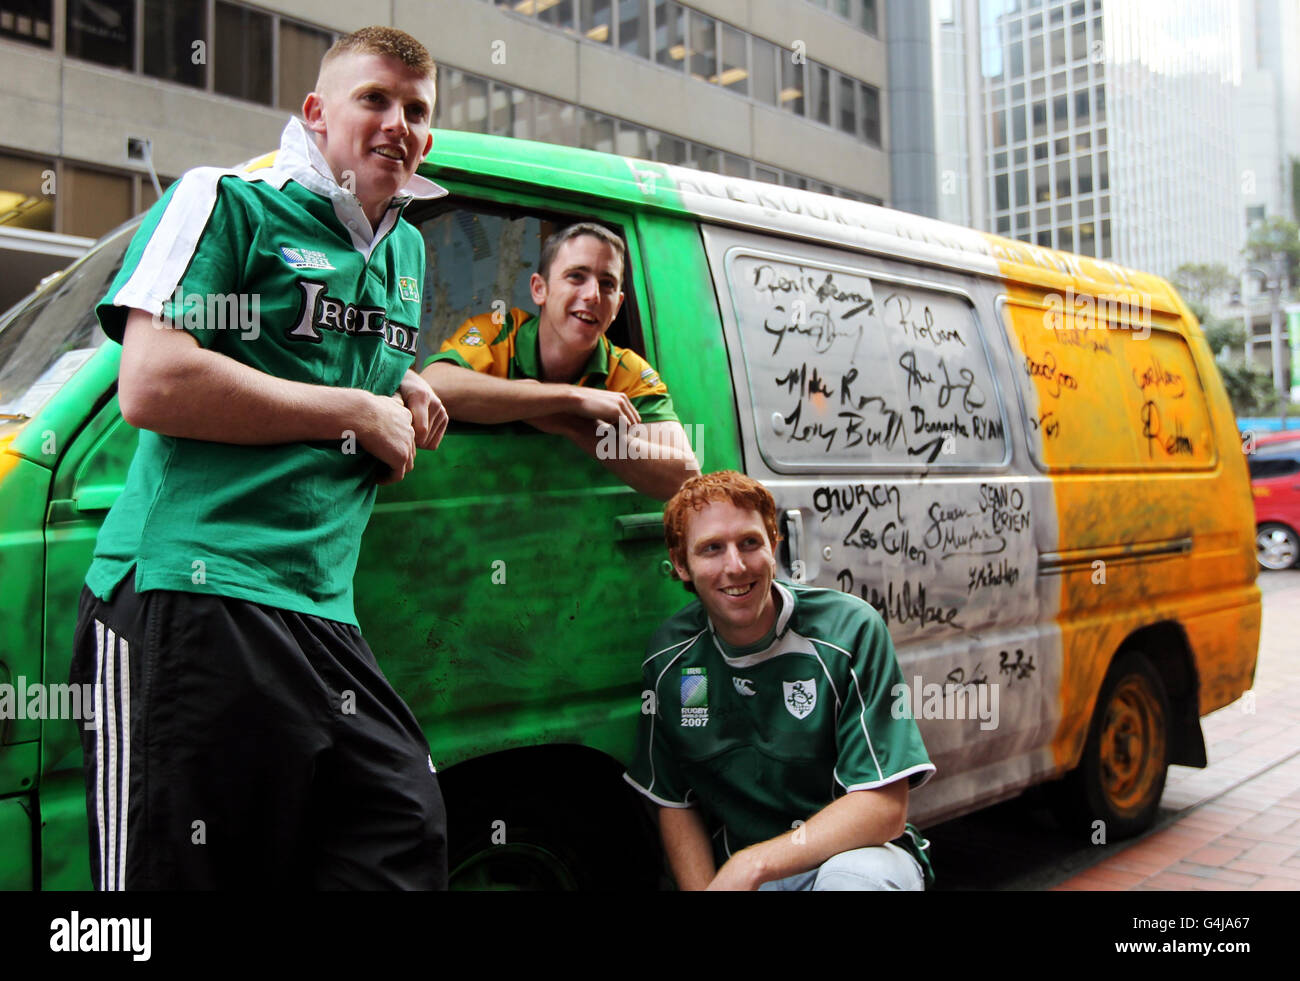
(697, 493)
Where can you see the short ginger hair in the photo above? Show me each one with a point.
(388, 41)
(741, 491)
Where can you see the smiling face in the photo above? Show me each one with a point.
(371, 116)
(730, 563)
(581, 293)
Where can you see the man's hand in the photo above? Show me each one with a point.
(427, 412)
(741, 873)
(598, 403)
(388, 433)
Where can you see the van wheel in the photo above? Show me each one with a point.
(1276, 546)
(532, 841)
(1121, 776)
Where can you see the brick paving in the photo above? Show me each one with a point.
(1240, 826)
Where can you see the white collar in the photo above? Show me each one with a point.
(301, 160)
(785, 609)
(300, 155)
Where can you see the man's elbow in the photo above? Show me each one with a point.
(147, 394)
(141, 401)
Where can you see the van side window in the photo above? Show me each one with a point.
(479, 260)
(1106, 386)
(847, 368)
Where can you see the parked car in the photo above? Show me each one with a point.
(1024, 459)
(1275, 484)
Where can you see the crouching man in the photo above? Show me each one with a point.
(768, 741)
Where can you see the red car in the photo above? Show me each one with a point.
(1275, 484)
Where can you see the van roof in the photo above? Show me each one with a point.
(785, 211)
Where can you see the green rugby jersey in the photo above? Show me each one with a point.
(767, 735)
(274, 267)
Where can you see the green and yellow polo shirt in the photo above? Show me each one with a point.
(509, 349)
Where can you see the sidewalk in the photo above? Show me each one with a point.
(1240, 826)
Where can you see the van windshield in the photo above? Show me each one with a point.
(47, 337)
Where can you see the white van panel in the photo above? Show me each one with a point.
(945, 545)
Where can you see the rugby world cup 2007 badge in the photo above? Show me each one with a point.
(800, 697)
(695, 697)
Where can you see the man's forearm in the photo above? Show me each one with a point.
(656, 467)
(856, 820)
(476, 397)
(686, 843)
(171, 385)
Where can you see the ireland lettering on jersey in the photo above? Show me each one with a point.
(323, 312)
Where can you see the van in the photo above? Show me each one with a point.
(1025, 460)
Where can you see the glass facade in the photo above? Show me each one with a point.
(1069, 87)
(257, 56)
(682, 39)
(480, 105)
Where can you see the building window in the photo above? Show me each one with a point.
(176, 41)
(867, 16)
(556, 121)
(792, 85)
(735, 63)
(102, 31)
(597, 132)
(27, 189)
(557, 13)
(241, 58)
(847, 105)
(703, 61)
(467, 102)
(869, 112)
(819, 77)
(634, 27)
(633, 141)
(27, 20)
(766, 72)
(94, 202)
(595, 20)
(301, 49)
(509, 112)
(670, 34)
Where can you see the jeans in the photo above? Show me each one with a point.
(877, 867)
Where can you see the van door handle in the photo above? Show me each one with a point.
(640, 527)
(794, 542)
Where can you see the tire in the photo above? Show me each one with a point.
(1121, 775)
(1276, 546)
(529, 840)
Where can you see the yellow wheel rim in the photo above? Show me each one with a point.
(1132, 745)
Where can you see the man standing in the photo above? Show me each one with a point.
(771, 750)
(558, 372)
(247, 735)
